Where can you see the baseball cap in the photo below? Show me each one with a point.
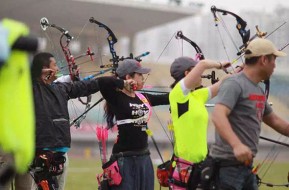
(130, 66)
(260, 46)
(180, 65)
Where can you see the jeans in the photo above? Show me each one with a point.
(137, 173)
(237, 178)
(20, 181)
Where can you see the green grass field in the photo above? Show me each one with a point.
(82, 174)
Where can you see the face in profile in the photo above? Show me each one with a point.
(139, 78)
(53, 66)
(269, 65)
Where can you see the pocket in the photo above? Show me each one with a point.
(164, 171)
(61, 131)
(111, 172)
(209, 171)
(181, 172)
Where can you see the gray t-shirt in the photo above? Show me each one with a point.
(248, 105)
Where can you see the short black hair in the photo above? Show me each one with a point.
(40, 60)
(253, 60)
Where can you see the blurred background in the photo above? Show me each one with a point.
(150, 26)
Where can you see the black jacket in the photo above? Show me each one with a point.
(51, 111)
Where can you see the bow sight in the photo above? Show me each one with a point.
(211, 76)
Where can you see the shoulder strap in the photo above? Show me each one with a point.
(146, 103)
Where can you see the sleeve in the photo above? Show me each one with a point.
(64, 78)
(79, 88)
(229, 93)
(185, 90)
(177, 93)
(157, 99)
(268, 109)
(181, 94)
(108, 88)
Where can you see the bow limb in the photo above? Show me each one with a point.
(241, 24)
(241, 27)
(199, 55)
(64, 44)
(111, 39)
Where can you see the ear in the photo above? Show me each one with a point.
(127, 77)
(186, 72)
(264, 59)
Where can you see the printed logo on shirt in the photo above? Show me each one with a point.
(139, 110)
(257, 97)
(259, 104)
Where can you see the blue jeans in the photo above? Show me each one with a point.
(237, 178)
(137, 173)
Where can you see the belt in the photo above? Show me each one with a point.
(230, 163)
(130, 154)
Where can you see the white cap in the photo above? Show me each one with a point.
(260, 46)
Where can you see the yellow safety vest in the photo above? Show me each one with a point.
(190, 127)
(17, 122)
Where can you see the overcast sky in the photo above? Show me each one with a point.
(235, 5)
(238, 5)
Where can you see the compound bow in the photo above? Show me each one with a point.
(64, 42)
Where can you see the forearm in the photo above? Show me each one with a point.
(192, 80)
(158, 99)
(285, 131)
(277, 123)
(282, 127)
(211, 64)
(81, 88)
